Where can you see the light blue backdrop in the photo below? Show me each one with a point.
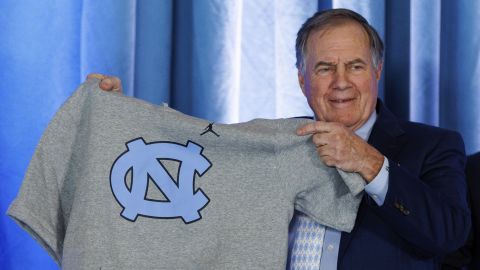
(226, 61)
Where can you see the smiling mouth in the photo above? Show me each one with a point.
(341, 101)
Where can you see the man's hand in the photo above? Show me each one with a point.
(338, 146)
(107, 83)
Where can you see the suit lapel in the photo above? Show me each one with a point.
(387, 133)
(386, 138)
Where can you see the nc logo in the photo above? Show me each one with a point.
(141, 159)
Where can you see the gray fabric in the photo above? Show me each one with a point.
(260, 171)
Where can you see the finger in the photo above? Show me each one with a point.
(117, 84)
(325, 138)
(320, 139)
(111, 83)
(95, 76)
(107, 84)
(312, 128)
(326, 151)
(328, 160)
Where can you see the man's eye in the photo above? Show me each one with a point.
(324, 69)
(356, 67)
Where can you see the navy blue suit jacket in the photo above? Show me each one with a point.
(425, 214)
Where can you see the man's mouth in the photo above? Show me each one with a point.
(341, 101)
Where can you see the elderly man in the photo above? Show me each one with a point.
(415, 208)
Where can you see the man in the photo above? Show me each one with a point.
(415, 209)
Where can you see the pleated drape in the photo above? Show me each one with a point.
(226, 61)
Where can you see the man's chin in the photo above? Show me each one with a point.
(345, 120)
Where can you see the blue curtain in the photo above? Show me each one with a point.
(226, 61)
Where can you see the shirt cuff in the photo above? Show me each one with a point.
(378, 187)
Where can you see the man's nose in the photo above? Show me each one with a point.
(341, 81)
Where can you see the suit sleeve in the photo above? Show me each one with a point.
(429, 210)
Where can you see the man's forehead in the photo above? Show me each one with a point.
(337, 34)
(350, 33)
(348, 40)
(340, 26)
(342, 61)
(343, 56)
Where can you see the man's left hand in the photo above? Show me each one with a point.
(107, 83)
(338, 146)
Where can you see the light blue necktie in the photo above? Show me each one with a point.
(306, 244)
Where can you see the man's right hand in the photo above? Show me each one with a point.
(107, 83)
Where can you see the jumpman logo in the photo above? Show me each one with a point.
(209, 128)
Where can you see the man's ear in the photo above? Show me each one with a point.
(301, 81)
(378, 72)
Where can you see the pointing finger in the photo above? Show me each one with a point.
(312, 128)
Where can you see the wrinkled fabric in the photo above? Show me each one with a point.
(226, 61)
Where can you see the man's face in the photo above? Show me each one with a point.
(340, 81)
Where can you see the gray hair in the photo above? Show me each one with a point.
(332, 17)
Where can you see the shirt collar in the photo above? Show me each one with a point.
(365, 130)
